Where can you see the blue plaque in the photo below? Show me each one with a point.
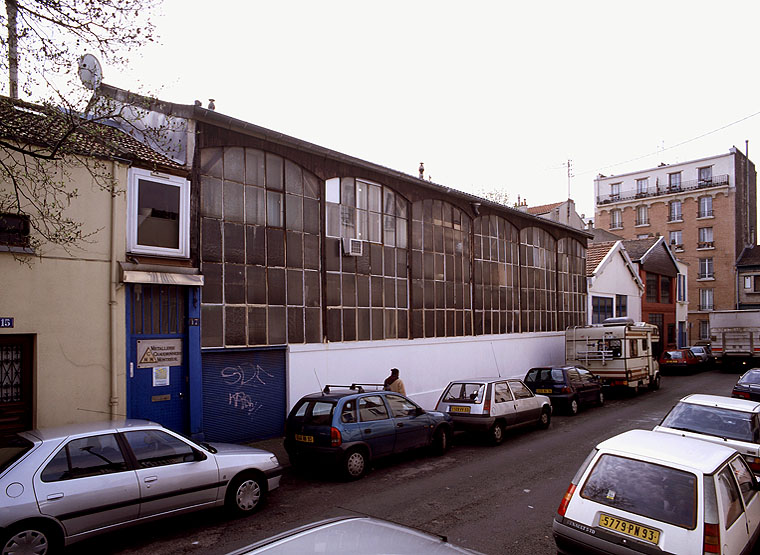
(6, 322)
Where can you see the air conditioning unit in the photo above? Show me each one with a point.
(352, 247)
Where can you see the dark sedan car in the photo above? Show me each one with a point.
(748, 386)
(682, 360)
(568, 386)
(348, 427)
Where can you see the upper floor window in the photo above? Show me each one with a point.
(675, 213)
(642, 186)
(158, 214)
(621, 305)
(681, 288)
(705, 238)
(706, 268)
(601, 309)
(674, 182)
(616, 219)
(704, 175)
(665, 289)
(615, 191)
(705, 299)
(358, 209)
(676, 239)
(642, 215)
(651, 288)
(704, 329)
(14, 230)
(705, 207)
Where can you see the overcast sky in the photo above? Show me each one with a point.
(489, 95)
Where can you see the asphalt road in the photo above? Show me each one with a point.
(491, 499)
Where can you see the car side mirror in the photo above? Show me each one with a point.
(419, 412)
(195, 456)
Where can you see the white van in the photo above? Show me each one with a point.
(647, 492)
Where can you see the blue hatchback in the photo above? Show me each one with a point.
(348, 427)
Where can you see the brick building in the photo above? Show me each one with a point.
(685, 203)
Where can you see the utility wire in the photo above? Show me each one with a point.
(670, 147)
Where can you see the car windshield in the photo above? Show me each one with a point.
(544, 375)
(713, 421)
(753, 376)
(12, 448)
(464, 393)
(644, 488)
(314, 413)
(674, 354)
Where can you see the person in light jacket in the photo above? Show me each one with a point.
(394, 383)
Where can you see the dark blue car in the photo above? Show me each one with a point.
(347, 427)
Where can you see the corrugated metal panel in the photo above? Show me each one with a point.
(243, 395)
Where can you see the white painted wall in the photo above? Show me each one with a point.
(426, 365)
(614, 278)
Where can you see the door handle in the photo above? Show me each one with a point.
(150, 479)
(400, 425)
(368, 431)
(54, 496)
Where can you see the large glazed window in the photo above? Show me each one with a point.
(538, 285)
(495, 299)
(366, 257)
(571, 275)
(158, 206)
(260, 249)
(440, 264)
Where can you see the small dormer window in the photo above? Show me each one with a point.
(158, 214)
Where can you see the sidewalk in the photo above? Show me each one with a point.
(276, 446)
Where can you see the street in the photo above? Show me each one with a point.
(491, 499)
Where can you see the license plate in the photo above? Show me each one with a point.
(305, 439)
(629, 528)
(543, 390)
(459, 409)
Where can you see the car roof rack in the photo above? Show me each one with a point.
(359, 387)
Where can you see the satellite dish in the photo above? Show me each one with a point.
(90, 72)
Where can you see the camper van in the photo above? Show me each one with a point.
(619, 351)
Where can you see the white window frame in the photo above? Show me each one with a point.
(642, 186)
(183, 250)
(616, 219)
(675, 211)
(706, 299)
(615, 191)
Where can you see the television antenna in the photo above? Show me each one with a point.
(90, 72)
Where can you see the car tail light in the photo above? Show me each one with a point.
(566, 501)
(487, 407)
(754, 463)
(335, 439)
(712, 539)
(566, 389)
(742, 394)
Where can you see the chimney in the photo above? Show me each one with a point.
(422, 170)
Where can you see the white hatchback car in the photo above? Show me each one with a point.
(722, 420)
(647, 492)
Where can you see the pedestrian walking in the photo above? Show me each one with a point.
(394, 383)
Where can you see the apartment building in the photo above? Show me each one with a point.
(706, 210)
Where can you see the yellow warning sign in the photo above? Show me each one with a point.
(159, 352)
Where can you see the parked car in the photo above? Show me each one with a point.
(349, 427)
(703, 353)
(723, 420)
(65, 484)
(492, 405)
(645, 492)
(679, 359)
(351, 535)
(748, 385)
(568, 386)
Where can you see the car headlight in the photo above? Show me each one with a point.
(274, 460)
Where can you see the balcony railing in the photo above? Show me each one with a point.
(706, 306)
(706, 275)
(705, 213)
(665, 189)
(642, 221)
(705, 245)
(675, 217)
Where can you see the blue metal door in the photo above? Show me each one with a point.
(157, 355)
(243, 394)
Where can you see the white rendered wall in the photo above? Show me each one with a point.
(615, 279)
(426, 365)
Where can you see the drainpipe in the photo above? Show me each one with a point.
(113, 402)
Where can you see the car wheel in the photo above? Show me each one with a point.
(245, 494)
(654, 385)
(600, 399)
(355, 464)
(572, 407)
(496, 433)
(441, 441)
(32, 537)
(545, 419)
